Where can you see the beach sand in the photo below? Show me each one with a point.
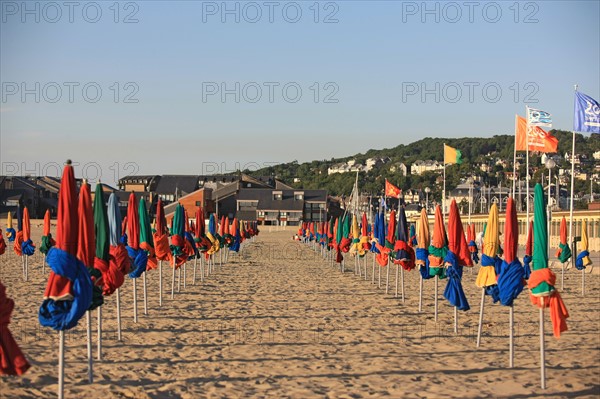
(278, 321)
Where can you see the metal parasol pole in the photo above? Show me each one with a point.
(61, 364)
(194, 275)
(435, 299)
(99, 311)
(145, 294)
(134, 300)
(173, 280)
(201, 268)
(160, 287)
(511, 336)
(387, 277)
(184, 275)
(542, 346)
(402, 282)
(379, 278)
(90, 373)
(420, 292)
(397, 272)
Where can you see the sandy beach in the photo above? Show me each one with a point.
(278, 321)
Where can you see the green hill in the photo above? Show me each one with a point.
(475, 151)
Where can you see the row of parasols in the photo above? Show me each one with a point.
(94, 249)
(444, 254)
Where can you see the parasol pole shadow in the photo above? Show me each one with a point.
(480, 325)
(119, 337)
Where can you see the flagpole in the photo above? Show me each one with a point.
(515, 160)
(572, 188)
(527, 161)
(444, 188)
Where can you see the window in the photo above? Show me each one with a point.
(283, 214)
(277, 196)
(198, 203)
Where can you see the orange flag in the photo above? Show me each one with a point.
(539, 139)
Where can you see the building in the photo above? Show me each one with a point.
(420, 167)
(281, 207)
(400, 168)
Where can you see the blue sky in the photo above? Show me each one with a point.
(367, 70)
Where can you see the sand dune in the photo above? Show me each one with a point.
(278, 321)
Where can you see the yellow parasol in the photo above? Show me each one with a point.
(487, 272)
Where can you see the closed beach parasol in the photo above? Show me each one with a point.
(146, 245)
(12, 360)
(437, 253)
(542, 279)
(146, 239)
(86, 252)
(404, 254)
(137, 256)
(68, 292)
(2, 244)
(439, 246)
(512, 276)
(422, 252)
(11, 234)
(47, 240)
(27, 247)
(118, 252)
(472, 244)
(564, 252)
(583, 258)
(528, 252)
(490, 265)
(458, 255)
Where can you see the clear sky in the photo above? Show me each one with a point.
(185, 88)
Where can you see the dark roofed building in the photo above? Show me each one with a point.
(281, 207)
(171, 187)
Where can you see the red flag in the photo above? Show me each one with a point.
(539, 139)
(391, 190)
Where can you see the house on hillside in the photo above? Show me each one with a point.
(400, 168)
(420, 167)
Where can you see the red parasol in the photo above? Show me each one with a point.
(86, 250)
(26, 225)
(2, 244)
(59, 287)
(511, 237)
(364, 234)
(391, 235)
(47, 223)
(456, 237)
(133, 223)
(12, 360)
(529, 246)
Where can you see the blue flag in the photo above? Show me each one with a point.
(537, 117)
(587, 114)
(382, 205)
